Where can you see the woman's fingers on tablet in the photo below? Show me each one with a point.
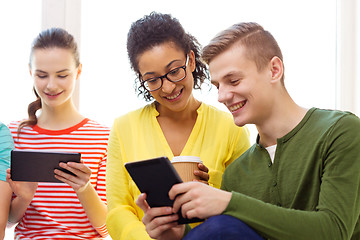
(65, 174)
(160, 215)
(159, 219)
(78, 169)
(81, 178)
(141, 202)
(25, 190)
(159, 225)
(151, 213)
(59, 177)
(8, 175)
(77, 184)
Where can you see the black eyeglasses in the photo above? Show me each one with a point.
(175, 75)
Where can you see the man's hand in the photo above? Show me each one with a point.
(199, 200)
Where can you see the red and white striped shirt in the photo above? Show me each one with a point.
(55, 211)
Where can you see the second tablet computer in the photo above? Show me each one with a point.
(155, 177)
(35, 166)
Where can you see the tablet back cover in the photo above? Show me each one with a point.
(155, 177)
(31, 166)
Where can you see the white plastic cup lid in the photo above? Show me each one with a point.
(186, 159)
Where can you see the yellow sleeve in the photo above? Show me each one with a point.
(122, 219)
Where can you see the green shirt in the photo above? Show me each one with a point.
(312, 191)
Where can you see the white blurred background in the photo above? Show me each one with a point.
(319, 40)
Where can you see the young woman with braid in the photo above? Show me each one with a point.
(75, 208)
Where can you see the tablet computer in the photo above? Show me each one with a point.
(36, 166)
(155, 177)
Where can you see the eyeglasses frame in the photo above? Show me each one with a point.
(165, 76)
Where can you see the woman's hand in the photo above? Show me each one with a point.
(82, 175)
(160, 222)
(203, 173)
(22, 190)
(94, 207)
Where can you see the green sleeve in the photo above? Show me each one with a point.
(338, 209)
(187, 229)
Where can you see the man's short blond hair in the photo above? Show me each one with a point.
(260, 45)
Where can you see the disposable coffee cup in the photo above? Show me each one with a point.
(185, 166)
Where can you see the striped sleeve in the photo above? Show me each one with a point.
(100, 181)
(102, 230)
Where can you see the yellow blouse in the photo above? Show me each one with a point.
(138, 136)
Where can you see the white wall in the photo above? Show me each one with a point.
(348, 53)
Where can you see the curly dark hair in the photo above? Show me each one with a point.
(155, 29)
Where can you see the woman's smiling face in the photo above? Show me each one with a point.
(54, 73)
(160, 60)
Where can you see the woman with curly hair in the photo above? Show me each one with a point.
(167, 62)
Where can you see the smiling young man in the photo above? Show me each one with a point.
(301, 178)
